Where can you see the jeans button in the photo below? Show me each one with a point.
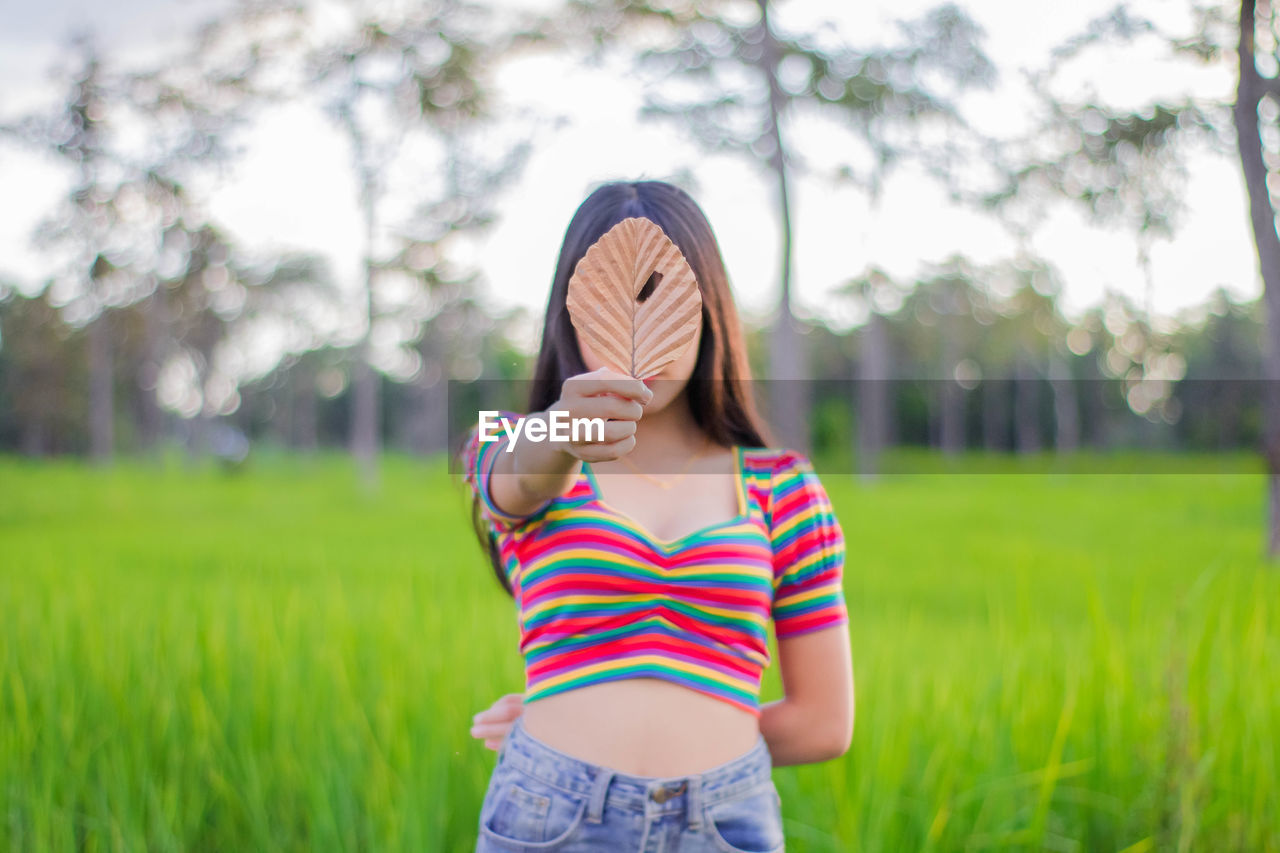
(663, 794)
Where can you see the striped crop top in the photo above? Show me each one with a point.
(600, 599)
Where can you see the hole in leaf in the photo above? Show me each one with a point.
(649, 286)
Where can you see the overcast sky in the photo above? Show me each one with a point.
(293, 189)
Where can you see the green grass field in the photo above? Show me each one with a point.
(268, 660)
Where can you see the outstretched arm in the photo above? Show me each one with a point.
(535, 472)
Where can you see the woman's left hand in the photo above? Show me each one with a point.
(494, 722)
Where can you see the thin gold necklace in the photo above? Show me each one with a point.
(667, 484)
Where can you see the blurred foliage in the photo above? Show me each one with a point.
(1120, 165)
(710, 65)
(152, 323)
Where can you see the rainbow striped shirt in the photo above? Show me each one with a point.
(601, 599)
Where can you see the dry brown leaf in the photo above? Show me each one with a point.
(634, 299)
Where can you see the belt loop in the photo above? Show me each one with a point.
(516, 731)
(693, 805)
(502, 750)
(600, 787)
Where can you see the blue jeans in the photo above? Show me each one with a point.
(541, 799)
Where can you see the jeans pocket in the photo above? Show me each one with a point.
(526, 813)
(748, 823)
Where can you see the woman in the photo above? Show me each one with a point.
(647, 567)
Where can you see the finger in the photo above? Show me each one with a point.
(606, 373)
(605, 452)
(614, 431)
(499, 710)
(587, 385)
(623, 447)
(505, 714)
(508, 698)
(607, 407)
(490, 729)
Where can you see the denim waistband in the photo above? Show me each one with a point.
(692, 792)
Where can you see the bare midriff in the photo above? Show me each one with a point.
(642, 727)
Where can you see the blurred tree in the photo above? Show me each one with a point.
(941, 306)
(1037, 333)
(1218, 400)
(1127, 165)
(963, 327)
(463, 340)
(453, 330)
(190, 106)
(289, 404)
(744, 76)
(43, 374)
(90, 279)
(1135, 367)
(1120, 165)
(132, 139)
(873, 294)
(1257, 113)
(394, 73)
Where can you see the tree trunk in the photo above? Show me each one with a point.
(428, 428)
(364, 388)
(873, 397)
(1066, 406)
(1025, 411)
(101, 389)
(1262, 215)
(198, 437)
(150, 415)
(951, 395)
(1229, 405)
(364, 408)
(304, 434)
(33, 441)
(995, 414)
(789, 391)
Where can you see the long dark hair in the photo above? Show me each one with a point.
(719, 388)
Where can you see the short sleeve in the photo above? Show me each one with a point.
(478, 458)
(808, 551)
